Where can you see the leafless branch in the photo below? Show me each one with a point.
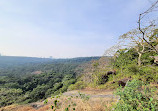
(141, 16)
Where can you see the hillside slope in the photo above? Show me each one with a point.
(81, 100)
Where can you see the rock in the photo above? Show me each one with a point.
(155, 59)
(34, 105)
(111, 72)
(123, 82)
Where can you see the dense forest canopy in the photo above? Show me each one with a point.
(6, 61)
(10, 65)
(25, 80)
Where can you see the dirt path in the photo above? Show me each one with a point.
(96, 99)
(91, 93)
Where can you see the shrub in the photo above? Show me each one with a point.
(133, 68)
(77, 85)
(136, 97)
(101, 79)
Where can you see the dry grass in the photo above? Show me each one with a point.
(93, 104)
(95, 91)
(17, 108)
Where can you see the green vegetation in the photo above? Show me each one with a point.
(21, 83)
(20, 66)
(134, 67)
(84, 97)
(57, 104)
(137, 62)
(136, 96)
(34, 87)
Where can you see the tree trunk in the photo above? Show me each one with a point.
(139, 59)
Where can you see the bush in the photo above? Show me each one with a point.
(38, 92)
(136, 97)
(101, 79)
(133, 68)
(9, 96)
(77, 85)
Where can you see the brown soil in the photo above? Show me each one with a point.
(96, 102)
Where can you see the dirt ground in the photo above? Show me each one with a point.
(78, 100)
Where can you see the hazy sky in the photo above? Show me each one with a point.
(65, 28)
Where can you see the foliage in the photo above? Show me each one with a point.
(46, 101)
(133, 62)
(9, 96)
(19, 85)
(83, 96)
(19, 66)
(57, 104)
(136, 96)
(77, 85)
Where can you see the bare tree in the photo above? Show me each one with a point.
(111, 52)
(153, 8)
(134, 40)
(113, 49)
(138, 37)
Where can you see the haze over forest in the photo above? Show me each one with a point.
(65, 29)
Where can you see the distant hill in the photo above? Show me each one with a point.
(13, 65)
(15, 60)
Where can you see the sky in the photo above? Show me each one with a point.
(65, 28)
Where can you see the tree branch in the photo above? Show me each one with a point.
(139, 22)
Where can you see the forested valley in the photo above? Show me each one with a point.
(26, 80)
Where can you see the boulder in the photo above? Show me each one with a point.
(111, 72)
(156, 59)
(123, 82)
